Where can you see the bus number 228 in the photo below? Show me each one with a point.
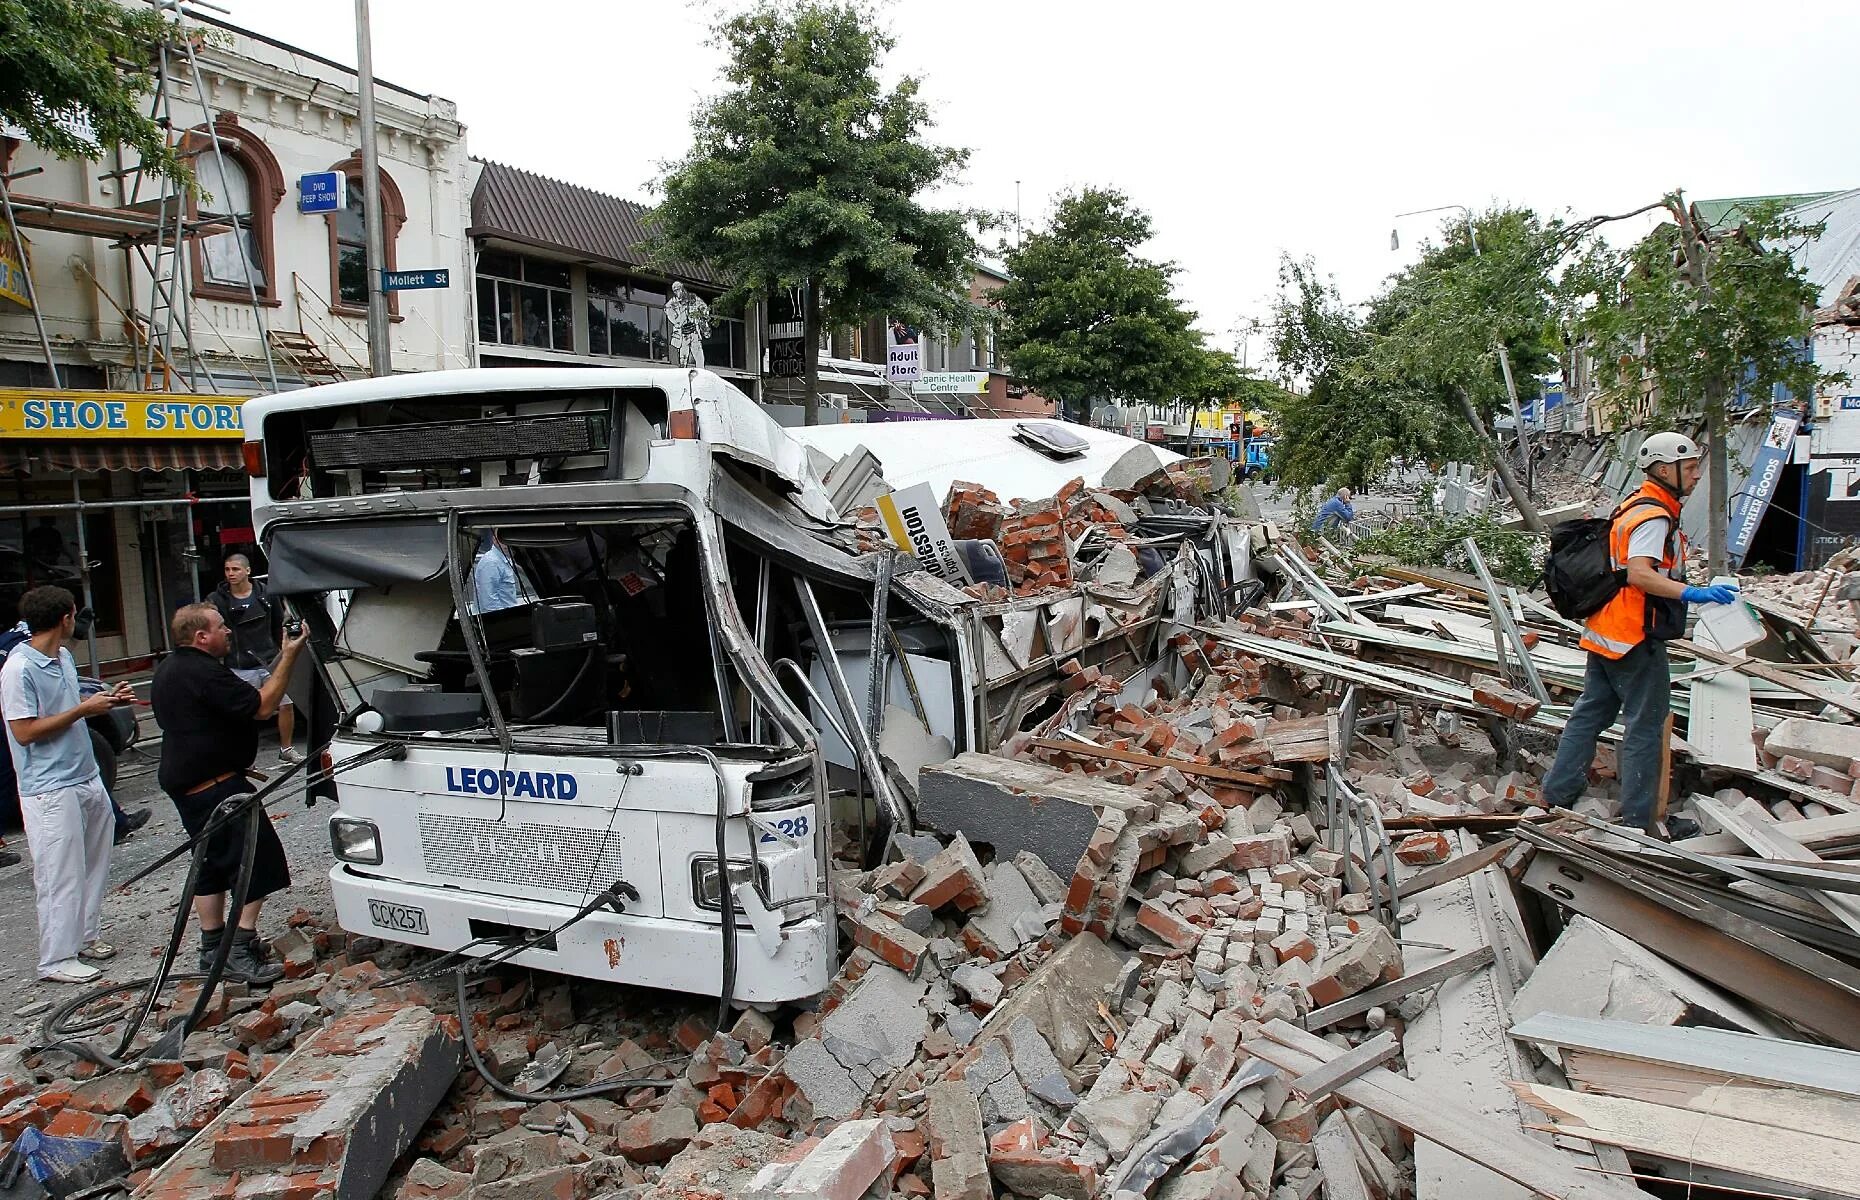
(793, 827)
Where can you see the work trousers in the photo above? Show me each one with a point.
(70, 832)
(1638, 688)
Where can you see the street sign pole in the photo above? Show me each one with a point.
(380, 354)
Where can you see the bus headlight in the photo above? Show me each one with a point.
(704, 873)
(355, 841)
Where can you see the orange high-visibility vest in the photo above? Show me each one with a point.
(1622, 624)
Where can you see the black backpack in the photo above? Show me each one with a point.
(1579, 575)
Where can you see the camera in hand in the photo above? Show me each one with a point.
(293, 626)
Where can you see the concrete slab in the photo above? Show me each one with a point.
(885, 1015)
(330, 1120)
(1821, 742)
(1019, 806)
(1060, 998)
(1592, 971)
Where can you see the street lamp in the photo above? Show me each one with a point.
(1504, 358)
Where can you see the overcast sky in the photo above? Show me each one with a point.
(1245, 130)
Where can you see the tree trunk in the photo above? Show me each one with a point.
(1718, 464)
(1533, 521)
(810, 329)
(1717, 481)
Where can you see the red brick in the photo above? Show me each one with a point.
(692, 1032)
(1172, 929)
(241, 1146)
(891, 941)
(1422, 849)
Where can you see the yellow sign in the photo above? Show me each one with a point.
(62, 413)
(13, 284)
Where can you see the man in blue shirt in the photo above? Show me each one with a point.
(62, 801)
(495, 585)
(1335, 513)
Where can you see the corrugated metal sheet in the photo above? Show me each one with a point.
(1834, 257)
(543, 212)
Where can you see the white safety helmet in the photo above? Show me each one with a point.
(1667, 448)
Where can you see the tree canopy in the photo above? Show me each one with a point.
(806, 170)
(1087, 318)
(74, 75)
(1398, 381)
(1701, 313)
(1645, 311)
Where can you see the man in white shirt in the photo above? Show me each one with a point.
(62, 801)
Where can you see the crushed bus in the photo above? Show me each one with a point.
(640, 664)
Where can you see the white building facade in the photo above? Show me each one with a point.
(156, 335)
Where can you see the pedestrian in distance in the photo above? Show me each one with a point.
(1627, 673)
(1336, 513)
(62, 802)
(208, 717)
(256, 621)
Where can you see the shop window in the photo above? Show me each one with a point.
(626, 319)
(524, 302)
(42, 548)
(348, 241)
(243, 181)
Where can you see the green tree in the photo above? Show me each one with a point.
(806, 171)
(1700, 312)
(1087, 318)
(1353, 419)
(74, 74)
(1417, 377)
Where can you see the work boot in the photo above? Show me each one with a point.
(248, 962)
(210, 947)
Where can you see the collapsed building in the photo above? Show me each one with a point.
(1216, 867)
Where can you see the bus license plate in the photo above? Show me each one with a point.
(398, 918)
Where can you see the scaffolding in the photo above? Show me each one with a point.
(154, 225)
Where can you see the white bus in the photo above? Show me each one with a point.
(536, 581)
(611, 625)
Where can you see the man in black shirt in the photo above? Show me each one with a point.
(208, 720)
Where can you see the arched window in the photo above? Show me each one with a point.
(348, 241)
(242, 181)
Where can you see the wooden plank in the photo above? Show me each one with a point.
(1414, 981)
(1751, 824)
(1490, 822)
(1138, 759)
(1336, 1160)
(1663, 791)
(1815, 833)
(1764, 671)
(1474, 1136)
(1707, 1091)
(1720, 1142)
(1457, 868)
(1340, 1070)
(1742, 1055)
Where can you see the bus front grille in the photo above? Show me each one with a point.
(554, 858)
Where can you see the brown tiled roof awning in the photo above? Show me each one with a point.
(535, 210)
(148, 455)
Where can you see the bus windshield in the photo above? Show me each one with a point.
(563, 625)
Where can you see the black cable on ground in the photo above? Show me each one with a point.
(623, 1083)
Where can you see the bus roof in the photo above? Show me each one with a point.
(676, 382)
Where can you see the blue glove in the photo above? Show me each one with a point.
(1718, 593)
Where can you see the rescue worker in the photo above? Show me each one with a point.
(1626, 638)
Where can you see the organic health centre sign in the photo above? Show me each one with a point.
(53, 413)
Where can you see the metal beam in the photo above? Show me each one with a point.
(1812, 989)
